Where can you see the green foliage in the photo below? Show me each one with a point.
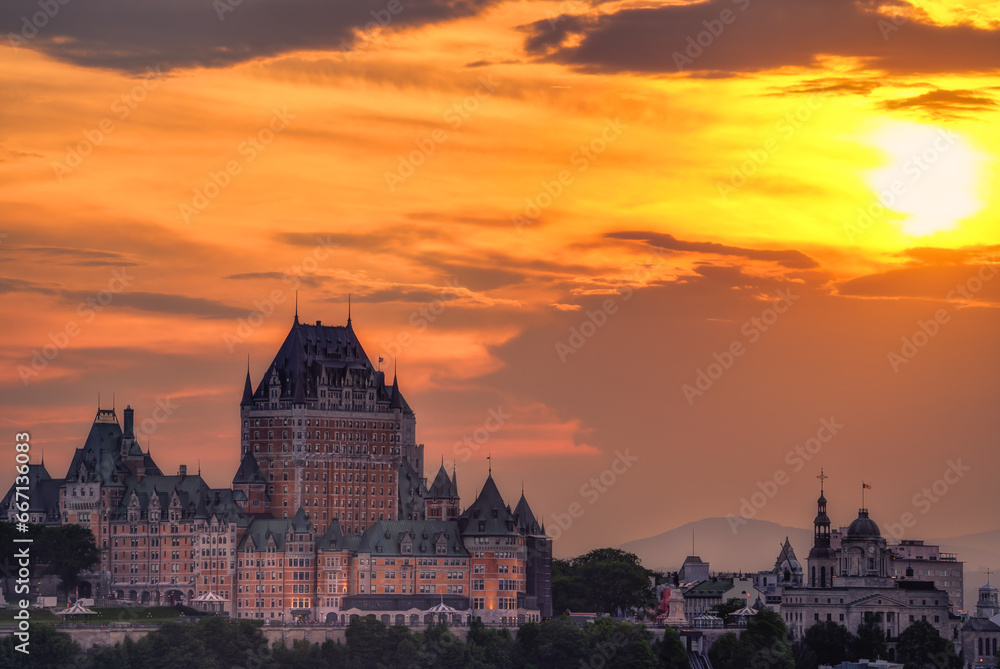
(671, 651)
(825, 642)
(870, 641)
(48, 648)
(921, 646)
(218, 643)
(604, 580)
(60, 550)
(764, 643)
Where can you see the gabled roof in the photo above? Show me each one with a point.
(443, 487)
(334, 539)
(387, 537)
(489, 515)
(249, 470)
(980, 625)
(262, 530)
(101, 458)
(43, 495)
(196, 499)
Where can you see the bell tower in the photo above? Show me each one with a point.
(822, 560)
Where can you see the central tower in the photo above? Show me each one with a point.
(328, 433)
(822, 560)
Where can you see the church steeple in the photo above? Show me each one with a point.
(822, 561)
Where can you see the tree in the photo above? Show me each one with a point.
(619, 645)
(728, 653)
(65, 551)
(763, 644)
(671, 651)
(605, 580)
(829, 642)
(870, 642)
(766, 639)
(49, 649)
(489, 647)
(920, 645)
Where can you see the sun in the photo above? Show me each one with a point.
(931, 176)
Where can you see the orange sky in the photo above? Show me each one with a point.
(486, 180)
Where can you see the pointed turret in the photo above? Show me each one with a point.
(249, 471)
(247, 391)
(443, 487)
(526, 521)
(300, 523)
(488, 515)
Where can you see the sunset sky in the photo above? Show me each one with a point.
(688, 231)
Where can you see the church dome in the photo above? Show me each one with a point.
(863, 526)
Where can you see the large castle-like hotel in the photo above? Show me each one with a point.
(329, 515)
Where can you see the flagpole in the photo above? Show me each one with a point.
(862, 494)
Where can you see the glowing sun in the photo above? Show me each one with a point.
(931, 175)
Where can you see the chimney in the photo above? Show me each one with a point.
(183, 471)
(127, 429)
(140, 471)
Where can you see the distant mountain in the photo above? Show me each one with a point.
(752, 546)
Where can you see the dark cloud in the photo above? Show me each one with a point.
(790, 258)
(69, 256)
(132, 36)
(937, 256)
(308, 280)
(979, 283)
(944, 103)
(12, 285)
(829, 85)
(743, 36)
(163, 303)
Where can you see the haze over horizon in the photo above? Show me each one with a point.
(657, 282)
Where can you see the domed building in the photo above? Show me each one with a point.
(854, 583)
